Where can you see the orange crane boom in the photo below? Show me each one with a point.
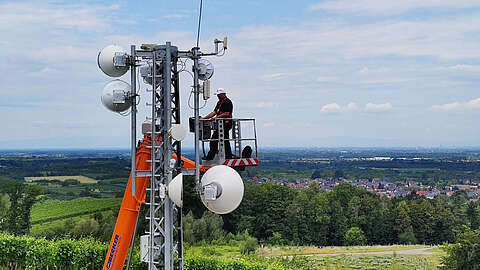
(127, 217)
(130, 208)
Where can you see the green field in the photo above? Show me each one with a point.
(409, 257)
(80, 178)
(51, 210)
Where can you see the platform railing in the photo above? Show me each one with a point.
(208, 126)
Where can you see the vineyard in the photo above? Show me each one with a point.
(88, 254)
(51, 210)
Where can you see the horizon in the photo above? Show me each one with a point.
(339, 148)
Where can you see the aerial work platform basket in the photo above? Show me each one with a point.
(243, 141)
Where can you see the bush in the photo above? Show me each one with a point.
(355, 237)
(465, 253)
(40, 253)
(201, 263)
(249, 246)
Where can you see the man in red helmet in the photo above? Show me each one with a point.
(224, 109)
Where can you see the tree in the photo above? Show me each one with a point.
(22, 197)
(3, 209)
(276, 239)
(407, 238)
(355, 237)
(472, 214)
(422, 216)
(402, 221)
(263, 210)
(465, 253)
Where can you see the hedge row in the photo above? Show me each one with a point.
(88, 254)
(31, 253)
(202, 263)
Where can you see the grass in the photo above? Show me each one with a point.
(80, 178)
(311, 250)
(51, 210)
(338, 257)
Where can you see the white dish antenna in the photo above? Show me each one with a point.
(175, 190)
(222, 189)
(115, 96)
(177, 132)
(112, 61)
(205, 69)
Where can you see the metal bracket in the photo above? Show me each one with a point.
(210, 192)
(120, 60)
(118, 97)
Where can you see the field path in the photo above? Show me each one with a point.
(416, 251)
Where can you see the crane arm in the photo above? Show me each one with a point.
(130, 208)
(127, 217)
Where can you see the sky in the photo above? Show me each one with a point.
(332, 73)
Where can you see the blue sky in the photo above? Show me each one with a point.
(313, 73)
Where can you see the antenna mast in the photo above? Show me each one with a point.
(162, 246)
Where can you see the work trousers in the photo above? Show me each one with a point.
(214, 144)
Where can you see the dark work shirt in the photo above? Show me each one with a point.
(224, 105)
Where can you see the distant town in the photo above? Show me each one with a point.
(383, 187)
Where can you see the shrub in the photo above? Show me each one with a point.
(249, 246)
(355, 237)
(465, 253)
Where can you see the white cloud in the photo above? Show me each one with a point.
(269, 124)
(326, 79)
(447, 107)
(77, 16)
(351, 107)
(473, 104)
(372, 107)
(390, 7)
(458, 106)
(367, 70)
(461, 67)
(266, 105)
(446, 38)
(331, 108)
(276, 76)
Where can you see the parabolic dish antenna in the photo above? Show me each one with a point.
(106, 61)
(205, 69)
(115, 96)
(229, 189)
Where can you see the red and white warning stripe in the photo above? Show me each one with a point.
(241, 162)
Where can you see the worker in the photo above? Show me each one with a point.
(223, 109)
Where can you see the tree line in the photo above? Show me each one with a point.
(283, 215)
(315, 217)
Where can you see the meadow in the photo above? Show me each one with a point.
(80, 178)
(313, 258)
